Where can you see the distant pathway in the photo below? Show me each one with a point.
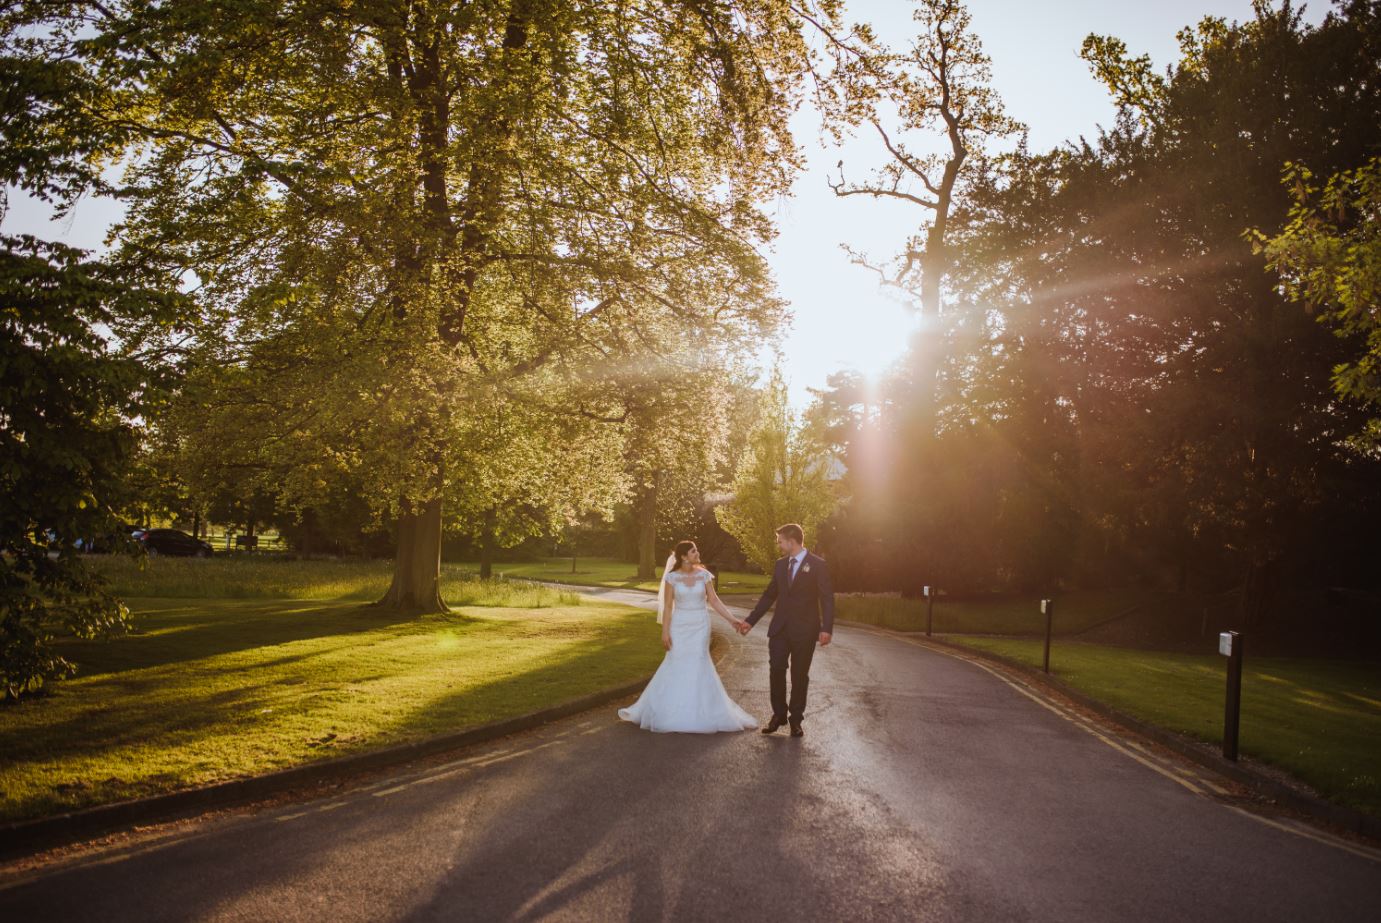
(926, 788)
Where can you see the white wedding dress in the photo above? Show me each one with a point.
(685, 693)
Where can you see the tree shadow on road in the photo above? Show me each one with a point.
(636, 832)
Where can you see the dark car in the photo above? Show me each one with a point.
(121, 540)
(172, 542)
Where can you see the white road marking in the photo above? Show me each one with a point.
(1310, 833)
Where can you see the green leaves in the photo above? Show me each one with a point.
(1132, 81)
(1124, 388)
(1328, 256)
(431, 246)
(68, 399)
(782, 477)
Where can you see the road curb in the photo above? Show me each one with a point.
(27, 837)
(1201, 754)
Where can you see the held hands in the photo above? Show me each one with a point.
(742, 627)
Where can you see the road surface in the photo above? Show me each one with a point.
(927, 787)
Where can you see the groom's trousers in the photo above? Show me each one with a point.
(793, 650)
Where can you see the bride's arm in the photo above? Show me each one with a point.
(670, 597)
(666, 617)
(718, 606)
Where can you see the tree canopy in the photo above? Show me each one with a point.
(1127, 392)
(405, 222)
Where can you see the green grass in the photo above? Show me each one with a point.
(1074, 612)
(249, 577)
(279, 578)
(607, 572)
(209, 690)
(1318, 720)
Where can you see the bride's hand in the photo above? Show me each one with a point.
(666, 640)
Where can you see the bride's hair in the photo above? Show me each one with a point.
(682, 549)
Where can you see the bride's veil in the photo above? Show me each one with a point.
(663, 589)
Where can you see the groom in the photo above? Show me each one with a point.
(804, 615)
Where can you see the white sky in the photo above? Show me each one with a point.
(841, 319)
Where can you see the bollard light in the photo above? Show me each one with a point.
(1048, 610)
(1230, 646)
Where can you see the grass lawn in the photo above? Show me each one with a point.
(608, 572)
(211, 688)
(1074, 612)
(1318, 720)
(247, 577)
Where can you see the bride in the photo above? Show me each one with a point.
(685, 693)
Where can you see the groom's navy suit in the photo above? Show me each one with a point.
(805, 607)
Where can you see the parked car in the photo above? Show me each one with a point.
(172, 542)
(117, 541)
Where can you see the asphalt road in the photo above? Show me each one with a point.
(926, 788)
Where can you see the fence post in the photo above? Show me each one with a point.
(929, 609)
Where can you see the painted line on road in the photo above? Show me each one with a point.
(510, 756)
(1317, 836)
(1079, 722)
(119, 854)
(474, 762)
(1309, 833)
(455, 767)
(1173, 776)
(387, 786)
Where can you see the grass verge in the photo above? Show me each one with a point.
(247, 577)
(1074, 612)
(607, 572)
(1317, 720)
(209, 690)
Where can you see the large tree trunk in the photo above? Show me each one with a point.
(417, 568)
(647, 530)
(487, 545)
(416, 583)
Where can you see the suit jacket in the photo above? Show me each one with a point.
(808, 601)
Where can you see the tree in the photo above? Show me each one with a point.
(1126, 395)
(399, 209)
(67, 402)
(782, 477)
(679, 414)
(937, 86)
(1329, 257)
(72, 378)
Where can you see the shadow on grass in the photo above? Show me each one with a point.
(198, 629)
(209, 720)
(615, 653)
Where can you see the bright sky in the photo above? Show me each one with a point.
(841, 318)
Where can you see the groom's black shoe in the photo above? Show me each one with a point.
(796, 729)
(771, 726)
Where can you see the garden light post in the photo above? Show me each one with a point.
(1230, 646)
(1048, 609)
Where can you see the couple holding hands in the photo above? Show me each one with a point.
(686, 694)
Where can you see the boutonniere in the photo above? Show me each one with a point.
(805, 568)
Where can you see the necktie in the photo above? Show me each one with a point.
(791, 572)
